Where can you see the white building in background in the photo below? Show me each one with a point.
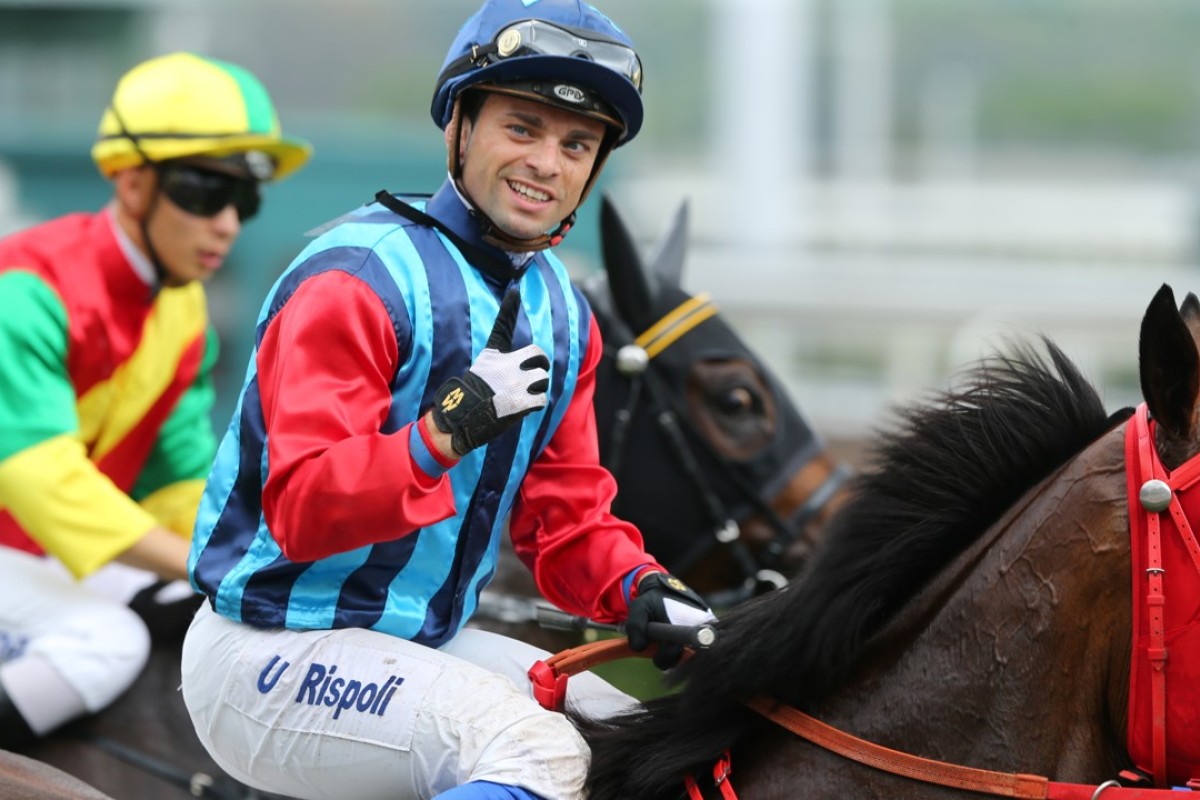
(881, 301)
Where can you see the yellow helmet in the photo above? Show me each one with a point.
(182, 105)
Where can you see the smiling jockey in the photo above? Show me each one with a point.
(423, 379)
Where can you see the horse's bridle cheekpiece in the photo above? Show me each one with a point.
(634, 361)
(1162, 737)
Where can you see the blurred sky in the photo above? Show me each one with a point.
(878, 188)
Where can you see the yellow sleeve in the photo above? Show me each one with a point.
(175, 506)
(68, 506)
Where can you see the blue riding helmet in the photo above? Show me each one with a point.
(565, 52)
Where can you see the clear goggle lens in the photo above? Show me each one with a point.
(542, 38)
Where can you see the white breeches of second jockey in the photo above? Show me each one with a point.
(354, 714)
(95, 644)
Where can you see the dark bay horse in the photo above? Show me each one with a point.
(716, 465)
(971, 603)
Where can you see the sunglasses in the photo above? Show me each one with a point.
(206, 193)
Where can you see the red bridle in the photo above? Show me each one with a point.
(1154, 490)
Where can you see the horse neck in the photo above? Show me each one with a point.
(1038, 611)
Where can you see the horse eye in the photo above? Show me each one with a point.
(735, 400)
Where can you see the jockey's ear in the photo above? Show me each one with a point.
(134, 190)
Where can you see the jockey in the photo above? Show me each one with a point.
(423, 378)
(105, 362)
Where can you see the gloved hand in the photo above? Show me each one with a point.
(661, 597)
(166, 609)
(500, 388)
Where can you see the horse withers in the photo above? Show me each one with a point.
(971, 604)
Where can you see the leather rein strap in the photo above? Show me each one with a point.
(940, 773)
(549, 678)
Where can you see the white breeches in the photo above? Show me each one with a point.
(354, 714)
(95, 644)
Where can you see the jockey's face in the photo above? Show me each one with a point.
(189, 246)
(525, 164)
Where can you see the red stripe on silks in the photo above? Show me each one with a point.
(14, 536)
(123, 464)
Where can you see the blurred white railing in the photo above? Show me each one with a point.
(890, 290)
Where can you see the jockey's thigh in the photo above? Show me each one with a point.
(97, 645)
(587, 693)
(354, 714)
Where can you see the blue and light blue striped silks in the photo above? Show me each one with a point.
(442, 310)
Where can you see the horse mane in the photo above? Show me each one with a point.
(948, 470)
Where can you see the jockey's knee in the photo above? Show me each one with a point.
(541, 752)
(100, 651)
(123, 655)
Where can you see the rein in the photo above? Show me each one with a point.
(633, 361)
(940, 773)
(552, 673)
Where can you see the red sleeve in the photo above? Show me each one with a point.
(562, 526)
(336, 482)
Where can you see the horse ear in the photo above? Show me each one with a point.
(667, 261)
(1190, 311)
(627, 278)
(1169, 363)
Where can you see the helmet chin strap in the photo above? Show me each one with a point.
(491, 233)
(160, 272)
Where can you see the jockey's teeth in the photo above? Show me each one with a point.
(532, 194)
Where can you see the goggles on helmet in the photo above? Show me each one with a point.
(536, 37)
(206, 193)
